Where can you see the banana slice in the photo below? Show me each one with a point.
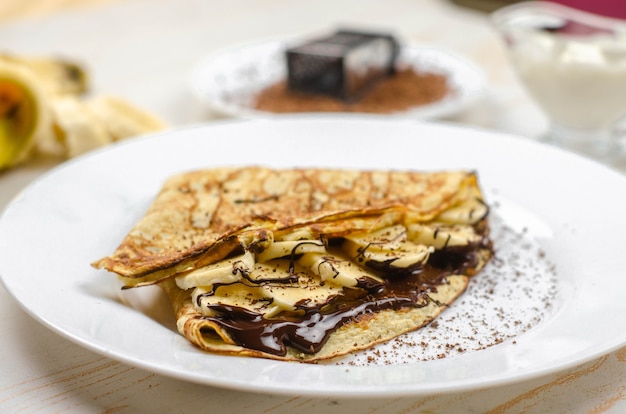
(387, 250)
(273, 294)
(470, 212)
(281, 271)
(335, 270)
(226, 271)
(302, 291)
(309, 293)
(290, 247)
(84, 125)
(58, 76)
(237, 295)
(78, 130)
(23, 113)
(442, 235)
(123, 119)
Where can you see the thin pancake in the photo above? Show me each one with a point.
(205, 215)
(306, 264)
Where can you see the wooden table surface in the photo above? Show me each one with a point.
(119, 41)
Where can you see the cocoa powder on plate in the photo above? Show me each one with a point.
(402, 91)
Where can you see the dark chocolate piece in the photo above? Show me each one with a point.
(343, 65)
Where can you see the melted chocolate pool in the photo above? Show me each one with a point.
(308, 330)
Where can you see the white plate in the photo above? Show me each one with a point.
(572, 208)
(228, 81)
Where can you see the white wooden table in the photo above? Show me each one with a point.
(143, 50)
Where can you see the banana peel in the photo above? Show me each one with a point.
(24, 113)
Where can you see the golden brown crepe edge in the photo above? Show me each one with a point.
(134, 273)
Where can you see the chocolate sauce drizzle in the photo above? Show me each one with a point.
(308, 329)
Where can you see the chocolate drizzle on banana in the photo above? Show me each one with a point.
(397, 290)
(297, 292)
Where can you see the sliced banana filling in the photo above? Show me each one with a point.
(223, 272)
(288, 248)
(440, 235)
(388, 248)
(336, 270)
(297, 271)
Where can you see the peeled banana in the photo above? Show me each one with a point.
(77, 129)
(42, 108)
(83, 125)
(123, 119)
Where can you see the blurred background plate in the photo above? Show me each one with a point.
(228, 80)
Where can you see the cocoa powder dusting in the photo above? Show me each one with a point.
(399, 92)
(513, 294)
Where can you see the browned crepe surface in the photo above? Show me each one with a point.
(197, 213)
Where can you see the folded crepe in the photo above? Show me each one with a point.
(306, 264)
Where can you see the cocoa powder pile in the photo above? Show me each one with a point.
(403, 90)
